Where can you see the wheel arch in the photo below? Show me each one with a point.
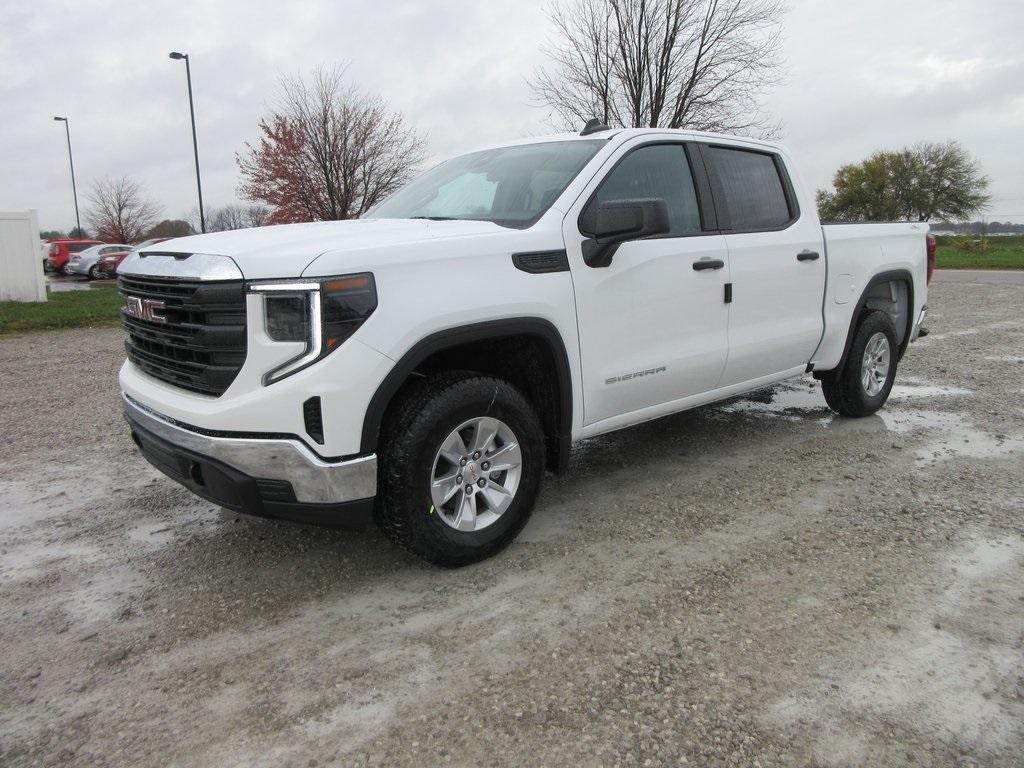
(891, 276)
(558, 429)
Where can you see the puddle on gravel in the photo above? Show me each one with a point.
(29, 560)
(24, 506)
(954, 434)
(932, 337)
(789, 399)
(102, 596)
(91, 588)
(958, 438)
(951, 669)
(795, 399)
(913, 388)
(155, 533)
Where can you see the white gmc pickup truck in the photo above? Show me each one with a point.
(423, 366)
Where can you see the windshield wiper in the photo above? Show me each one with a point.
(438, 218)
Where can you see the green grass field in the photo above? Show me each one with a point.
(99, 306)
(997, 253)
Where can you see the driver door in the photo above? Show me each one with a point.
(653, 328)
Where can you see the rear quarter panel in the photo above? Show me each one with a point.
(857, 253)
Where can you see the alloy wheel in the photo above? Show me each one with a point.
(476, 473)
(874, 368)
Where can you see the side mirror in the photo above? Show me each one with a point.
(618, 221)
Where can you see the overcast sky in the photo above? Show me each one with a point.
(859, 76)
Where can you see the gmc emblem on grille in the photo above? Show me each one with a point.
(144, 309)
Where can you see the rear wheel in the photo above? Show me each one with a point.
(461, 464)
(863, 384)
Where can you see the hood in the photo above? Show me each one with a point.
(286, 250)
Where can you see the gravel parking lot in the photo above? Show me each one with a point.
(755, 583)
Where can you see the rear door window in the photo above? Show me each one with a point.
(753, 190)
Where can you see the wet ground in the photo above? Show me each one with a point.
(63, 283)
(754, 583)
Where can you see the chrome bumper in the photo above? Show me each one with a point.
(314, 480)
(920, 321)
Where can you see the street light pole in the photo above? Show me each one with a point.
(71, 159)
(195, 144)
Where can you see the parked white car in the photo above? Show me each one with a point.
(426, 364)
(84, 262)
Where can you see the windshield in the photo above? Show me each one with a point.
(511, 186)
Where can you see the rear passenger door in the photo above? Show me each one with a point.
(776, 259)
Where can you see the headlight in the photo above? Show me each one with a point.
(321, 314)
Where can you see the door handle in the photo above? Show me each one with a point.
(708, 264)
(807, 256)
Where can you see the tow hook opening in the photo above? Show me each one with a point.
(195, 471)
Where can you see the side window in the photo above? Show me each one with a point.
(659, 170)
(754, 194)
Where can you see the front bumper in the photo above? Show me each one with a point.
(265, 476)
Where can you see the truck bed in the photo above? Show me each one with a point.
(858, 255)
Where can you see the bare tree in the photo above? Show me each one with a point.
(234, 216)
(327, 151)
(119, 212)
(228, 217)
(699, 64)
(257, 215)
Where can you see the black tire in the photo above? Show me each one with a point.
(94, 272)
(844, 388)
(411, 436)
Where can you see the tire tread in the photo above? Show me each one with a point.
(403, 432)
(842, 387)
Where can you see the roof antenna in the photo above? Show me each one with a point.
(594, 126)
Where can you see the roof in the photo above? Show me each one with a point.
(628, 133)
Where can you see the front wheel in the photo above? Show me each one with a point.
(461, 465)
(863, 384)
(94, 272)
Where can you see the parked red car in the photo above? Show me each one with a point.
(107, 265)
(61, 250)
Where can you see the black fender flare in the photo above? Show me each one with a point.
(882, 277)
(464, 334)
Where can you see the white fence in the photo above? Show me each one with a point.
(21, 263)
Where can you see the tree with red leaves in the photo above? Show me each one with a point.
(327, 151)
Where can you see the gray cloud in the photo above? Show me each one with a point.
(860, 76)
